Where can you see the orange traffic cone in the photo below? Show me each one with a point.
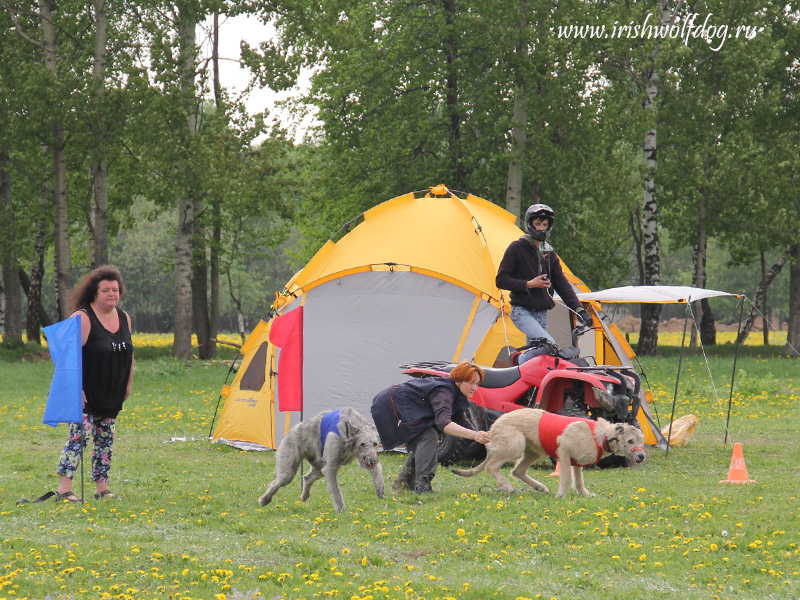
(557, 472)
(738, 470)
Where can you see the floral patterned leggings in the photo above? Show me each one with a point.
(102, 432)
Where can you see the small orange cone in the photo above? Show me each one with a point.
(557, 472)
(738, 470)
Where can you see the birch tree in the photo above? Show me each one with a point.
(182, 335)
(519, 126)
(99, 167)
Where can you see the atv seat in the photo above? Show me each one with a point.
(499, 378)
(568, 353)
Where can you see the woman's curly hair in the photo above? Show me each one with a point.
(85, 292)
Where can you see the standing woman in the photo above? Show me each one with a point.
(414, 413)
(107, 377)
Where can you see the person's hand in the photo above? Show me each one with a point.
(482, 437)
(542, 281)
(584, 316)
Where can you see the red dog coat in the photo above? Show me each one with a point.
(551, 426)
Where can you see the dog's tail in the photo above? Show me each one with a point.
(469, 472)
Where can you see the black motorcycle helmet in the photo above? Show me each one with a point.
(541, 211)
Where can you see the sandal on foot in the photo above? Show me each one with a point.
(105, 495)
(67, 496)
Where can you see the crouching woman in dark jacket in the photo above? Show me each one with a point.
(415, 412)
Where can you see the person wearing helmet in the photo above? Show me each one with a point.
(530, 269)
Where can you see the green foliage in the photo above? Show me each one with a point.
(407, 95)
(723, 138)
(188, 523)
(254, 260)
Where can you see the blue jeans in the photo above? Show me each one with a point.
(533, 323)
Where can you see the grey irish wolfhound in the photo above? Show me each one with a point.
(528, 434)
(328, 441)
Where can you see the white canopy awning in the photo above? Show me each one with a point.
(652, 294)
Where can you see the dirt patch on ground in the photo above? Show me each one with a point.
(632, 325)
(43, 355)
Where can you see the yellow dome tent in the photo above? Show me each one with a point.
(412, 279)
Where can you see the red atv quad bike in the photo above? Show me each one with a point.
(547, 377)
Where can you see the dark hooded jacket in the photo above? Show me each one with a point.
(523, 261)
(401, 412)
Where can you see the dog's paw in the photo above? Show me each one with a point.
(263, 500)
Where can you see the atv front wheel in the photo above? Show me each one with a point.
(451, 449)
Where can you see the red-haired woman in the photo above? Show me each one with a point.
(107, 377)
(415, 412)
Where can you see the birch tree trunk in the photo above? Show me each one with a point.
(519, 130)
(519, 138)
(99, 168)
(216, 235)
(182, 334)
(648, 334)
(63, 259)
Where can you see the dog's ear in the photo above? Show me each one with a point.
(620, 429)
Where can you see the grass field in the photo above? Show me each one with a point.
(189, 525)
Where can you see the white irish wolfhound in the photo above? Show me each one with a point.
(331, 439)
(528, 434)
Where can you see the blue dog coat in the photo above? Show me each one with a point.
(329, 424)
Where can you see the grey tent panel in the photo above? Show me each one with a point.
(358, 329)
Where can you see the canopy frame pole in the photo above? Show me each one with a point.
(733, 372)
(678, 376)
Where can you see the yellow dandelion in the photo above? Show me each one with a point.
(461, 533)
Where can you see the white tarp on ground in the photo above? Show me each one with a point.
(652, 294)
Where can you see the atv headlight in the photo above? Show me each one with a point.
(610, 387)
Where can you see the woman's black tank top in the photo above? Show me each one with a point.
(107, 361)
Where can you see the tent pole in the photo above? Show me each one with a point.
(733, 372)
(678, 376)
(219, 399)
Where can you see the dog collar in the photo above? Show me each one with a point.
(605, 446)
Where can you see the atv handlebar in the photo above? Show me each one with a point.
(579, 330)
